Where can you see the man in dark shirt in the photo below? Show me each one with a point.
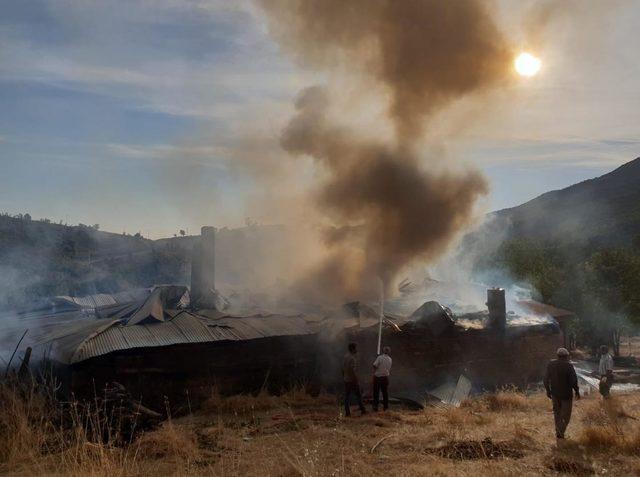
(350, 378)
(561, 383)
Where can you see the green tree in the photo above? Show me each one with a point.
(601, 285)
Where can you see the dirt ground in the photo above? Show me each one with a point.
(504, 434)
(500, 434)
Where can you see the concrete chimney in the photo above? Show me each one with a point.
(497, 308)
(203, 267)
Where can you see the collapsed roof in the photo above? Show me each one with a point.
(70, 330)
(85, 328)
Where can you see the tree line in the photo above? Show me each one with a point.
(600, 284)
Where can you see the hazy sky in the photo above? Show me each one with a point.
(123, 112)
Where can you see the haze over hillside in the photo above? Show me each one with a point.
(600, 211)
(39, 258)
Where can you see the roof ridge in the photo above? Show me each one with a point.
(90, 336)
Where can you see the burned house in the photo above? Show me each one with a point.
(432, 346)
(565, 318)
(180, 343)
(157, 347)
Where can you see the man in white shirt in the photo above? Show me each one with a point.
(381, 371)
(605, 369)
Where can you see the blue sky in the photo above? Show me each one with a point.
(123, 112)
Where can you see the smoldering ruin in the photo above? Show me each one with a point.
(175, 342)
(382, 206)
(319, 237)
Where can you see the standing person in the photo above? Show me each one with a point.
(381, 371)
(350, 377)
(559, 381)
(606, 372)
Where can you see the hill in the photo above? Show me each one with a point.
(39, 258)
(600, 211)
(577, 248)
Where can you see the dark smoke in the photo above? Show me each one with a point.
(387, 209)
(426, 52)
(396, 211)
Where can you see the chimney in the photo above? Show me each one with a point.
(203, 263)
(497, 308)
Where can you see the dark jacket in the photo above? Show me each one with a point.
(349, 369)
(561, 379)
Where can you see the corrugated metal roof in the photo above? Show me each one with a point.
(221, 333)
(167, 334)
(103, 299)
(40, 327)
(135, 337)
(64, 346)
(261, 326)
(77, 335)
(186, 328)
(240, 328)
(151, 310)
(195, 331)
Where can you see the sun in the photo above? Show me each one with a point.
(526, 64)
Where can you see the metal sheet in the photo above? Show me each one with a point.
(138, 336)
(192, 328)
(102, 299)
(79, 335)
(223, 333)
(103, 343)
(166, 333)
(453, 394)
(463, 388)
(240, 328)
(252, 327)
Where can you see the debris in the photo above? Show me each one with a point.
(434, 316)
(453, 395)
(23, 372)
(6, 373)
(130, 414)
(485, 449)
(380, 442)
(570, 467)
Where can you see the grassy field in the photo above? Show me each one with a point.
(506, 433)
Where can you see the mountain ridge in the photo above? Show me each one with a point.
(604, 210)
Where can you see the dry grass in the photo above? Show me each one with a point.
(507, 400)
(299, 435)
(38, 437)
(607, 428)
(24, 426)
(594, 414)
(607, 439)
(243, 404)
(171, 442)
(239, 404)
(601, 438)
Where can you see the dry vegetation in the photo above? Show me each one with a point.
(506, 433)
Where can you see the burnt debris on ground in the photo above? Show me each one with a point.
(484, 449)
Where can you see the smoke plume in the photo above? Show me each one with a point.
(385, 207)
